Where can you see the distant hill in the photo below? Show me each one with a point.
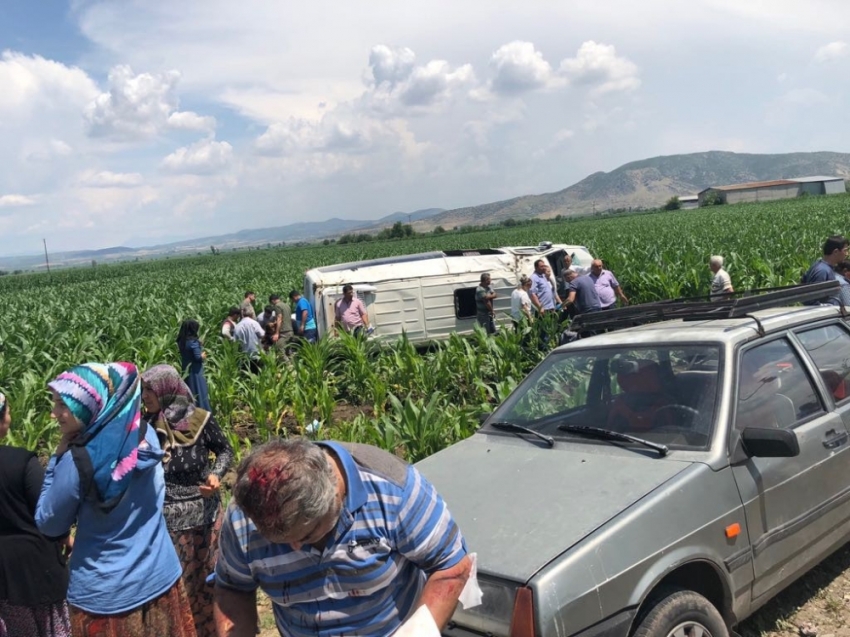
(648, 183)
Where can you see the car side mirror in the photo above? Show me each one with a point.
(482, 418)
(770, 442)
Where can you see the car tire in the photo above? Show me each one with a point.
(681, 613)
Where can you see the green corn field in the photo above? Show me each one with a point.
(388, 394)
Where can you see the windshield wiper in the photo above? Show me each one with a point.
(607, 434)
(521, 429)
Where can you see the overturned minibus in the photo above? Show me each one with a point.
(430, 295)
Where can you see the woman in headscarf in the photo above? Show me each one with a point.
(188, 435)
(33, 573)
(107, 478)
(192, 355)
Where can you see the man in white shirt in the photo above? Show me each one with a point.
(721, 284)
(249, 334)
(521, 302)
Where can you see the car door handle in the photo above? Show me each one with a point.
(834, 439)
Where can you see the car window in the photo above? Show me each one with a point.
(774, 389)
(662, 393)
(829, 347)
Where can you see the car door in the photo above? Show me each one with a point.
(793, 505)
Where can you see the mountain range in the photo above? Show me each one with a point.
(648, 183)
(643, 184)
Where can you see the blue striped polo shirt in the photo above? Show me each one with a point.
(394, 530)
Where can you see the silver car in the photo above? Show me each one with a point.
(663, 480)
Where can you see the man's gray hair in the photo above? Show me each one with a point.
(285, 484)
(716, 260)
(484, 275)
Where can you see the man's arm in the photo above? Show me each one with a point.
(364, 314)
(571, 297)
(235, 613)
(619, 292)
(442, 590)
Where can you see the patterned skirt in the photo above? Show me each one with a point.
(197, 549)
(168, 614)
(50, 620)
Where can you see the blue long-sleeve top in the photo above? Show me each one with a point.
(123, 558)
(191, 356)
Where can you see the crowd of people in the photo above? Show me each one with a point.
(543, 293)
(124, 534)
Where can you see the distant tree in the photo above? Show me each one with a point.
(439, 230)
(559, 217)
(213, 250)
(510, 223)
(3, 273)
(712, 198)
(93, 263)
(673, 203)
(326, 242)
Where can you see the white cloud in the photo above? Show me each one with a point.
(137, 107)
(107, 179)
(187, 120)
(598, 66)
(519, 67)
(32, 81)
(333, 133)
(16, 201)
(397, 84)
(391, 65)
(204, 157)
(46, 150)
(831, 51)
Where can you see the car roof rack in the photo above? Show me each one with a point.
(701, 308)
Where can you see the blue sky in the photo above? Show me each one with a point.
(147, 121)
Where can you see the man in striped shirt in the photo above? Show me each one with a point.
(344, 539)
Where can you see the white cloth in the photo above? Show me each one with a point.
(519, 300)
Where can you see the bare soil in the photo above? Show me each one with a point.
(816, 605)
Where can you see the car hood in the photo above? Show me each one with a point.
(519, 505)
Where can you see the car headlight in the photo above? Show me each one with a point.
(493, 616)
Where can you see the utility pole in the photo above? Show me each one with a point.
(46, 260)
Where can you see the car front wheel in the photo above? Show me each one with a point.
(682, 614)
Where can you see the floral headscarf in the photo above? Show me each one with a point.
(179, 421)
(106, 399)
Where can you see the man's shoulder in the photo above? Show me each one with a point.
(378, 461)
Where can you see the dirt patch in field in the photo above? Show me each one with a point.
(246, 428)
(817, 605)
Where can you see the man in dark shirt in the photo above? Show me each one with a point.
(484, 296)
(581, 292)
(822, 270)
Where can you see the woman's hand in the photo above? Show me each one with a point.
(210, 487)
(67, 545)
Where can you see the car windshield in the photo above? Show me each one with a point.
(662, 393)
